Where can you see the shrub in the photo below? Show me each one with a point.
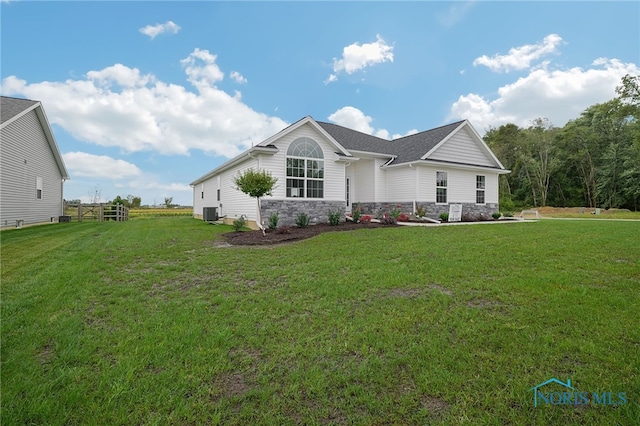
(444, 216)
(496, 215)
(421, 212)
(395, 213)
(365, 219)
(302, 220)
(273, 220)
(284, 229)
(388, 220)
(239, 223)
(402, 218)
(334, 218)
(508, 214)
(356, 214)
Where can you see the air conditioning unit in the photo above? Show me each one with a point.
(210, 214)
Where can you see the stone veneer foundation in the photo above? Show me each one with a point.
(288, 210)
(433, 209)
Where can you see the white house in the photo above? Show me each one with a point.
(323, 167)
(32, 171)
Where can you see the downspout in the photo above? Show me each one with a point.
(415, 186)
(415, 201)
(62, 196)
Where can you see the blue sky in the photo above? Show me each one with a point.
(145, 97)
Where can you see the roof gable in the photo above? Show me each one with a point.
(463, 145)
(415, 147)
(313, 123)
(11, 109)
(456, 142)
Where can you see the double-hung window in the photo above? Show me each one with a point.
(441, 187)
(305, 169)
(480, 185)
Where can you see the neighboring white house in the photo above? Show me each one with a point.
(323, 167)
(32, 171)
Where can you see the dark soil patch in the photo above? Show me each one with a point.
(255, 238)
(436, 406)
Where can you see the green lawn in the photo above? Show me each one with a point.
(152, 322)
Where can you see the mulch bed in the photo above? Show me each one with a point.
(255, 238)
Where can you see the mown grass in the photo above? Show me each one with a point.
(603, 215)
(154, 322)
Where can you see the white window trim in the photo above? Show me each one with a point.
(305, 179)
(445, 187)
(483, 190)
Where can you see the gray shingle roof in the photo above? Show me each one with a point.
(357, 141)
(406, 149)
(10, 107)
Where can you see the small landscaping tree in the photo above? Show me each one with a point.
(256, 184)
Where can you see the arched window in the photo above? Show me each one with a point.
(305, 169)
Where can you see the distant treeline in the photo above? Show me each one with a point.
(592, 161)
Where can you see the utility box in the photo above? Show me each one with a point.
(62, 219)
(210, 214)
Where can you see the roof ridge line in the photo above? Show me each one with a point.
(430, 130)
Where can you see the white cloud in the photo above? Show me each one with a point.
(520, 58)
(410, 132)
(121, 107)
(331, 79)
(154, 185)
(121, 75)
(352, 118)
(157, 29)
(559, 95)
(99, 166)
(359, 56)
(237, 77)
(201, 68)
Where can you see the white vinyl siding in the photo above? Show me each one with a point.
(236, 203)
(491, 188)
(362, 188)
(461, 185)
(461, 148)
(205, 195)
(400, 185)
(380, 180)
(26, 156)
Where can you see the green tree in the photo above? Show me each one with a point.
(119, 200)
(538, 158)
(256, 184)
(505, 142)
(133, 201)
(168, 202)
(629, 90)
